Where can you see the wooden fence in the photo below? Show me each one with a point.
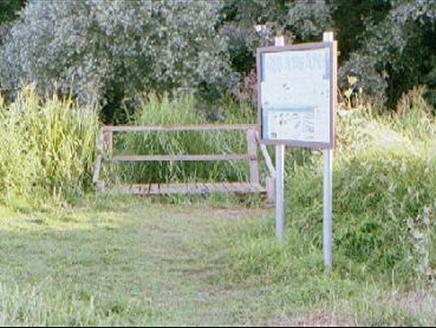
(105, 152)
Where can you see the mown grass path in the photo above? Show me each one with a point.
(129, 262)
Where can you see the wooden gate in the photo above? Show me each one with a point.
(105, 152)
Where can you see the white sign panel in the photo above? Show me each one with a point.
(295, 95)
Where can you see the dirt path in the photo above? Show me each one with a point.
(190, 244)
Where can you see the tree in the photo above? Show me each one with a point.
(387, 44)
(253, 23)
(8, 12)
(9, 9)
(398, 51)
(108, 50)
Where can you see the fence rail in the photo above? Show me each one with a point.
(105, 152)
(201, 127)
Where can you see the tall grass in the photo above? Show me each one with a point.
(154, 110)
(46, 149)
(384, 204)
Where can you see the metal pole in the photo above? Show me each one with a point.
(327, 210)
(280, 210)
(280, 165)
(328, 190)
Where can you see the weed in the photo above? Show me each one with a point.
(46, 150)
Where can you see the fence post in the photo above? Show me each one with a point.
(108, 142)
(252, 151)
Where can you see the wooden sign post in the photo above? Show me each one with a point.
(296, 105)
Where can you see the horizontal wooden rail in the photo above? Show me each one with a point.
(188, 188)
(105, 146)
(204, 127)
(168, 158)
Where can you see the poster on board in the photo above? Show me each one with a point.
(296, 85)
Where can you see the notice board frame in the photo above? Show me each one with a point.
(332, 46)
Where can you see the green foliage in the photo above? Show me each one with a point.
(124, 261)
(8, 12)
(46, 149)
(431, 82)
(384, 225)
(250, 24)
(397, 51)
(308, 19)
(239, 28)
(388, 45)
(351, 19)
(107, 51)
(9, 9)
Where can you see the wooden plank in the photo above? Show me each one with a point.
(231, 186)
(97, 167)
(244, 188)
(105, 143)
(205, 187)
(108, 141)
(252, 151)
(148, 158)
(100, 142)
(223, 187)
(189, 188)
(141, 189)
(100, 186)
(270, 190)
(266, 157)
(203, 127)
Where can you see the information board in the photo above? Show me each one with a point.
(296, 88)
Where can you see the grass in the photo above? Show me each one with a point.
(48, 145)
(120, 261)
(385, 192)
(123, 261)
(47, 148)
(132, 261)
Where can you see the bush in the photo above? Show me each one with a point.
(397, 53)
(106, 51)
(9, 9)
(386, 44)
(8, 12)
(46, 149)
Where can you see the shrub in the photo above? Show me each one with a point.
(397, 52)
(9, 9)
(8, 12)
(309, 19)
(251, 24)
(46, 149)
(386, 44)
(105, 51)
